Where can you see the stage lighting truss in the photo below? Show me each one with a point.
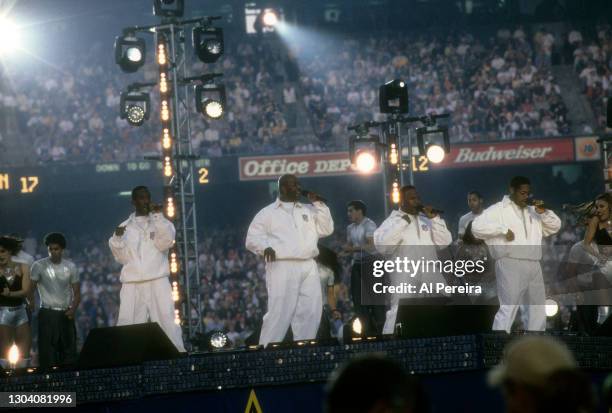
(433, 142)
(208, 43)
(168, 8)
(134, 107)
(129, 52)
(364, 152)
(210, 100)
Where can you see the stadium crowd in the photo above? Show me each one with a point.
(497, 86)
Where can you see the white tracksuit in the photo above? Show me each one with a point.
(292, 230)
(517, 266)
(146, 293)
(421, 231)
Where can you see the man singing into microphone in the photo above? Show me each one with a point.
(285, 233)
(514, 231)
(141, 245)
(413, 225)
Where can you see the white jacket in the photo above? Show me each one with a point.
(291, 236)
(143, 251)
(395, 231)
(528, 227)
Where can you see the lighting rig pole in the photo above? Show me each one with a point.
(389, 149)
(176, 89)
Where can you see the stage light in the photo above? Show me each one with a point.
(365, 161)
(269, 17)
(208, 43)
(393, 97)
(170, 209)
(395, 193)
(167, 167)
(435, 153)
(551, 307)
(393, 154)
(175, 291)
(168, 8)
(210, 100)
(134, 107)
(165, 111)
(129, 52)
(177, 317)
(218, 339)
(166, 140)
(173, 262)
(356, 326)
(162, 56)
(433, 142)
(9, 36)
(13, 355)
(363, 152)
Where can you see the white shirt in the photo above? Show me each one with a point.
(23, 258)
(464, 221)
(395, 231)
(292, 230)
(358, 234)
(143, 248)
(528, 227)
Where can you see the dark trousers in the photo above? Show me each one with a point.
(372, 315)
(56, 339)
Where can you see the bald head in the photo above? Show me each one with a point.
(289, 188)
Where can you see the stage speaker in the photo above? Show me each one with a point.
(609, 112)
(437, 317)
(126, 345)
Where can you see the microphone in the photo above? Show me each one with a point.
(305, 193)
(537, 202)
(421, 208)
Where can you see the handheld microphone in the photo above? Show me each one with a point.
(537, 203)
(433, 210)
(305, 193)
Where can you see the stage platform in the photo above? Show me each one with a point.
(251, 369)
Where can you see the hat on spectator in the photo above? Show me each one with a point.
(531, 360)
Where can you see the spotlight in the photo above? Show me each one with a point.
(269, 17)
(9, 36)
(435, 153)
(433, 142)
(167, 167)
(354, 330)
(551, 307)
(210, 100)
(177, 317)
(13, 355)
(218, 340)
(166, 140)
(393, 154)
(168, 8)
(129, 52)
(134, 107)
(208, 43)
(165, 111)
(363, 152)
(393, 97)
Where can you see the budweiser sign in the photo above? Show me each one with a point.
(312, 164)
(509, 153)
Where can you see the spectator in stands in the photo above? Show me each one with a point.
(539, 374)
(372, 384)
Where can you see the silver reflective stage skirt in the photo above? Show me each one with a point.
(13, 316)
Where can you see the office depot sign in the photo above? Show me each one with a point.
(508, 153)
(306, 165)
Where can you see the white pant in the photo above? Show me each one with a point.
(150, 300)
(294, 299)
(520, 282)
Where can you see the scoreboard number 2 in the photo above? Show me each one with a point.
(203, 172)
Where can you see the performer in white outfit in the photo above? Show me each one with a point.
(285, 233)
(411, 226)
(141, 245)
(514, 231)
